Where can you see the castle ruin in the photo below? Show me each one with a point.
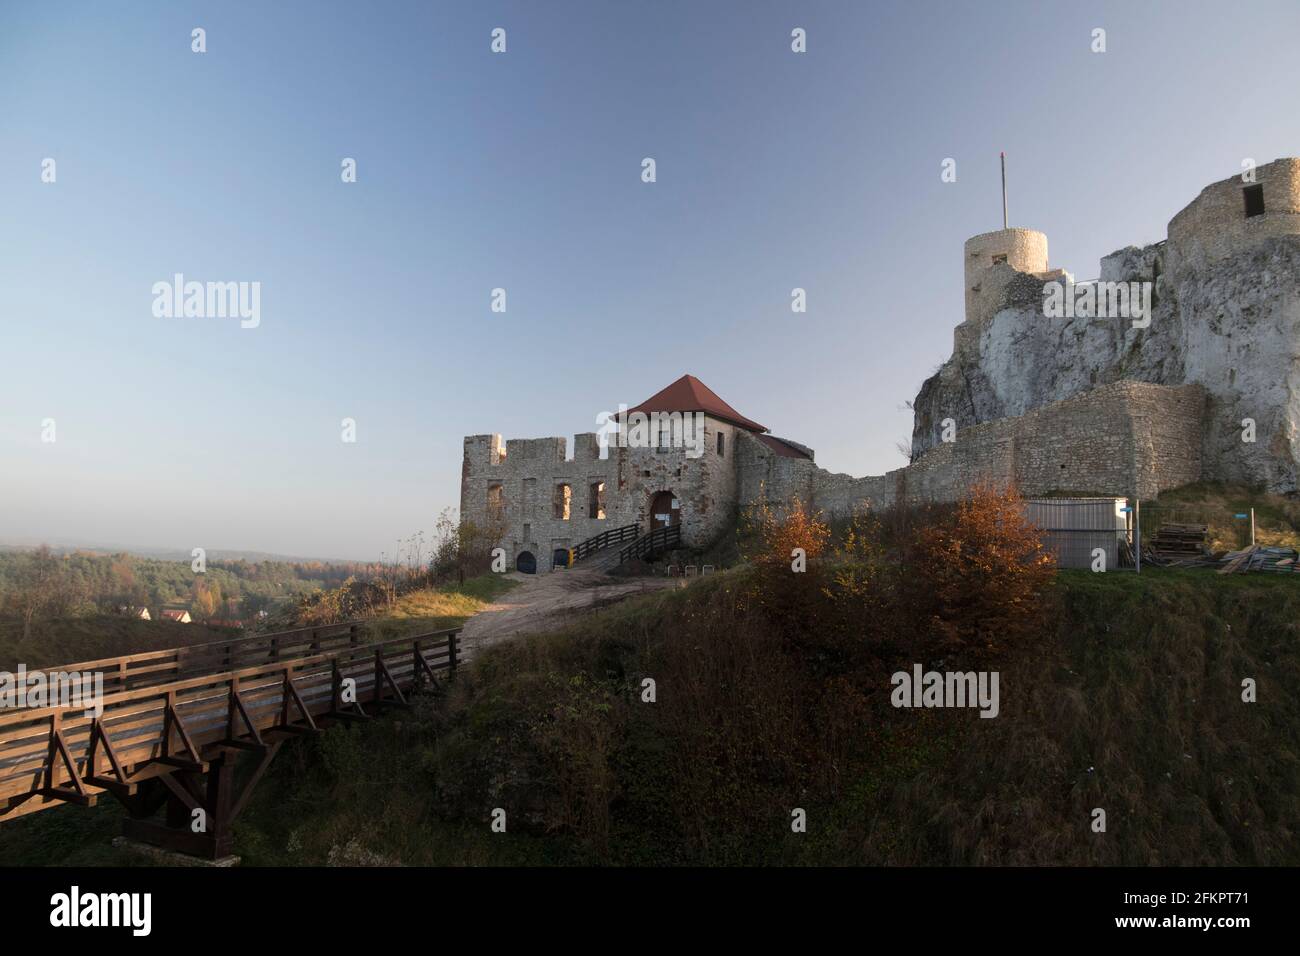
(1204, 385)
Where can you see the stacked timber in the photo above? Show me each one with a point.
(1177, 542)
(1258, 558)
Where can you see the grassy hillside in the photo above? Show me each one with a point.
(69, 640)
(1128, 698)
(74, 639)
(1131, 701)
(1214, 504)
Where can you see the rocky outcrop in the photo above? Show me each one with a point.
(1228, 322)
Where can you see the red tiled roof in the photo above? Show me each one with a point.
(784, 448)
(689, 394)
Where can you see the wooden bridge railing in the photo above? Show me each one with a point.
(151, 735)
(648, 545)
(606, 538)
(151, 668)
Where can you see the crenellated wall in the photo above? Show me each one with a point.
(530, 470)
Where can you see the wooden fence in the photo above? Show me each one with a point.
(131, 671)
(181, 728)
(606, 538)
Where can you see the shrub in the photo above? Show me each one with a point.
(786, 589)
(980, 572)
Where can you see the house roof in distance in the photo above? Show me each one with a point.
(689, 394)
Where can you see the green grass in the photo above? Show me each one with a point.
(1128, 698)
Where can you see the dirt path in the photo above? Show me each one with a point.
(546, 599)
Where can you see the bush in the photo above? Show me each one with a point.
(980, 573)
(784, 548)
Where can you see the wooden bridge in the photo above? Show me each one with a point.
(643, 545)
(174, 724)
(648, 545)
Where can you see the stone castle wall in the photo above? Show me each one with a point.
(1024, 250)
(1214, 225)
(530, 470)
(1225, 316)
(1085, 404)
(1126, 439)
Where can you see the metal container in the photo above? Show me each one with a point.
(1073, 528)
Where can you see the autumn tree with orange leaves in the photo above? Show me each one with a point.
(784, 547)
(980, 572)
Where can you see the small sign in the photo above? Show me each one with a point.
(1126, 508)
(1241, 516)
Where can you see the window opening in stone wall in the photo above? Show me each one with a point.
(1000, 260)
(496, 501)
(596, 501)
(1254, 197)
(722, 445)
(563, 496)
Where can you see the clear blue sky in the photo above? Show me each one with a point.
(522, 170)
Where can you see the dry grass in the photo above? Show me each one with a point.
(1214, 504)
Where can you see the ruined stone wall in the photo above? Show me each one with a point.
(1214, 225)
(530, 470)
(1226, 316)
(1085, 404)
(1129, 438)
(528, 474)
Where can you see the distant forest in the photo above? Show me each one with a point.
(39, 583)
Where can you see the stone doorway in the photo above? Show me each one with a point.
(665, 510)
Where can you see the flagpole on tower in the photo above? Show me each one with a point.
(1004, 189)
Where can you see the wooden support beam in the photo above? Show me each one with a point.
(382, 674)
(118, 784)
(181, 793)
(58, 751)
(249, 784)
(336, 711)
(81, 796)
(421, 667)
(181, 763)
(237, 707)
(290, 693)
(172, 722)
(99, 736)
